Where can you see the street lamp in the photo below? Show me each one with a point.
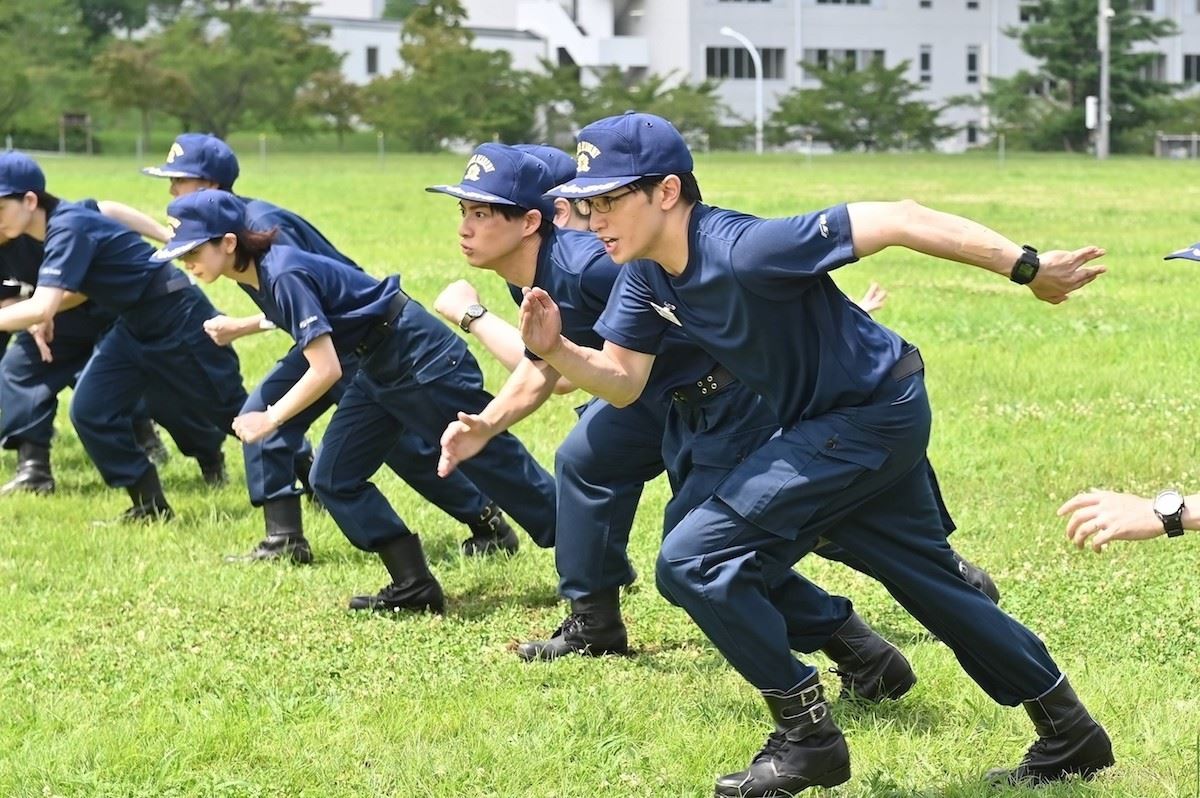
(756, 59)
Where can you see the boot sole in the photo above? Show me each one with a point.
(541, 656)
(832, 778)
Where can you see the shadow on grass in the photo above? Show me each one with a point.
(482, 600)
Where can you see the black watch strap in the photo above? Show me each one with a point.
(1172, 522)
(1026, 267)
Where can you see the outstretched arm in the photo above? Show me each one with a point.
(615, 374)
(135, 220)
(875, 226)
(1100, 516)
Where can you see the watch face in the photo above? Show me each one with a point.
(1168, 503)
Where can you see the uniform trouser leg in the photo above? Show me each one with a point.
(29, 387)
(271, 462)
(358, 438)
(415, 461)
(600, 469)
(194, 433)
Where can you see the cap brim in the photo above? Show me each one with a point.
(162, 171)
(174, 249)
(472, 194)
(1187, 253)
(583, 187)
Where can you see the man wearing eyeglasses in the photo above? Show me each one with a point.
(849, 463)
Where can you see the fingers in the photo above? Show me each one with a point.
(1080, 519)
(1078, 501)
(43, 349)
(446, 465)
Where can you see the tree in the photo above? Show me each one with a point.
(870, 108)
(1044, 109)
(128, 76)
(334, 100)
(399, 9)
(241, 67)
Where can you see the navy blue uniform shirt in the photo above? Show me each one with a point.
(311, 295)
(89, 253)
(21, 258)
(579, 276)
(756, 294)
(293, 230)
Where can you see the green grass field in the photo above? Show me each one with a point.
(134, 662)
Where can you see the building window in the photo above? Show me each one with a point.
(972, 5)
(925, 64)
(372, 60)
(843, 2)
(1142, 5)
(929, 3)
(743, 1)
(973, 63)
(972, 134)
(735, 62)
(1029, 12)
(1156, 69)
(857, 59)
(1191, 68)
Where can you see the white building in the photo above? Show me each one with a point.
(953, 46)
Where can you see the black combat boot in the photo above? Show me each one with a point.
(212, 468)
(871, 668)
(33, 471)
(149, 503)
(413, 587)
(148, 440)
(977, 578)
(806, 749)
(491, 534)
(1069, 742)
(593, 628)
(285, 535)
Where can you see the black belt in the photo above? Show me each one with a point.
(166, 281)
(714, 382)
(909, 364)
(379, 333)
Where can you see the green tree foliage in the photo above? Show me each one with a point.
(333, 101)
(103, 18)
(870, 108)
(130, 76)
(1044, 109)
(399, 9)
(448, 89)
(45, 61)
(240, 67)
(694, 108)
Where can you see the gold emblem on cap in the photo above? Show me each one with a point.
(174, 152)
(584, 155)
(477, 164)
(174, 223)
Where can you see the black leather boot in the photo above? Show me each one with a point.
(212, 468)
(149, 441)
(871, 668)
(33, 471)
(593, 628)
(977, 578)
(491, 534)
(285, 535)
(149, 503)
(1069, 742)
(413, 587)
(806, 749)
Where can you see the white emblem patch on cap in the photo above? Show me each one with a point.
(478, 164)
(174, 152)
(584, 155)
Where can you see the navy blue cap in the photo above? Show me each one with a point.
(20, 173)
(201, 156)
(198, 217)
(619, 150)
(561, 165)
(1188, 253)
(502, 175)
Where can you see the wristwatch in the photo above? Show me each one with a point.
(1168, 506)
(1026, 267)
(473, 312)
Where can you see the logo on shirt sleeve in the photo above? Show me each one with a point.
(308, 321)
(823, 223)
(667, 311)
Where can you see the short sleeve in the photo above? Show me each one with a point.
(300, 307)
(778, 258)
(68, 256)
(630, 320)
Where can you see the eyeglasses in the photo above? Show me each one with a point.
(584, 207)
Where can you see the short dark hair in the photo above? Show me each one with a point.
(689, 189)
(251, 246)
(45, 200)
(515, 212)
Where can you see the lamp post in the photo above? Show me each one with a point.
(756, 59)
(1104, 14)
